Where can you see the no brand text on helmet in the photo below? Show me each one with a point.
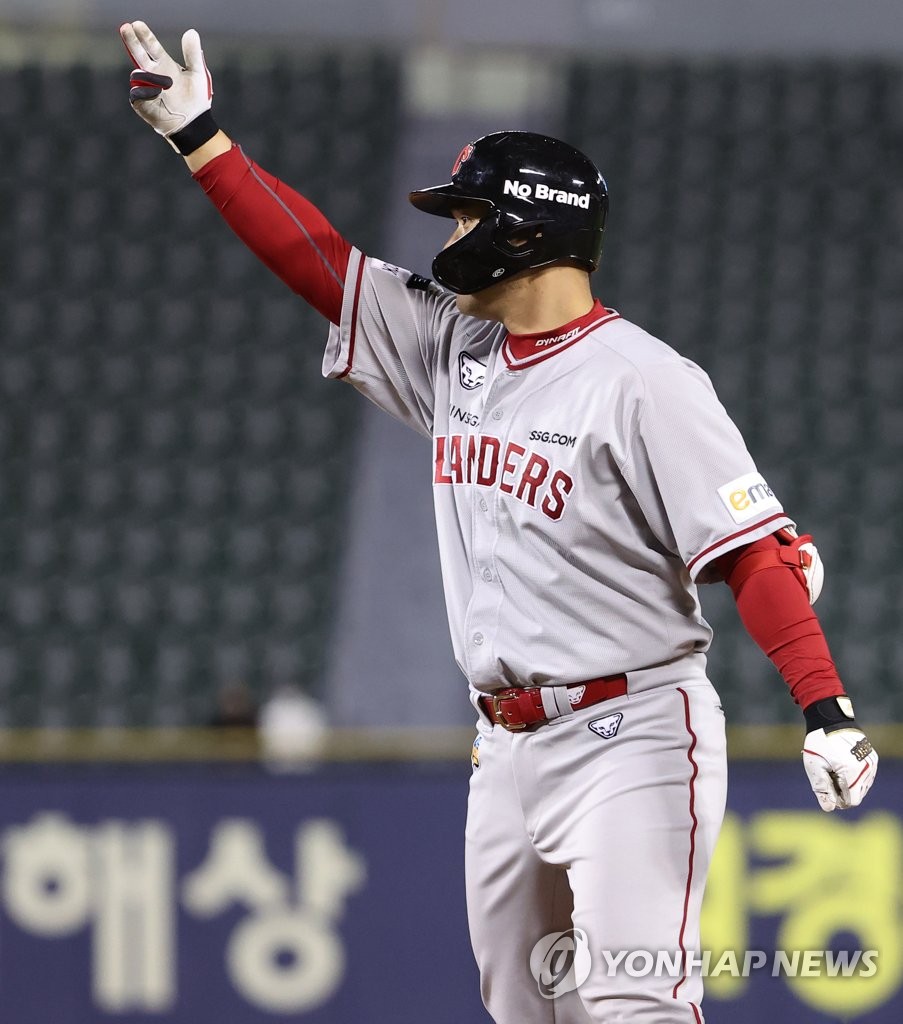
(524, 190)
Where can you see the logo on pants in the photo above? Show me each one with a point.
(608, 726)
(560, 962)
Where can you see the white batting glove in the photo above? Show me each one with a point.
(838, 757)
(174, 100)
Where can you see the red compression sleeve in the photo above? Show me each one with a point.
(774, 607)
(282, 228)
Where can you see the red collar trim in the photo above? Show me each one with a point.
(522, 350)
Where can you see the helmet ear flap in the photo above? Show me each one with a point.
(519, 240)
(475, 261)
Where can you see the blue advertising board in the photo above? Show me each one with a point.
(177, 895)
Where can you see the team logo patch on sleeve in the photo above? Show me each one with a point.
(748, 496)
(473, 372)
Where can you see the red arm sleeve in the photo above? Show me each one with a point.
(774, 607)
(282, 228)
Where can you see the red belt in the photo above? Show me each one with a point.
(516, 708)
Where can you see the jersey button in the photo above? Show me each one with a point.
(478, 638)
(483, 506)
(497, 414)
(487, 575)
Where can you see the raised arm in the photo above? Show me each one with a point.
(283, 229)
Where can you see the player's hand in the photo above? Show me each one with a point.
(167, 95)
(841, 765)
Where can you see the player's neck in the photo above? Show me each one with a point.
(548, 319)
(545, 300)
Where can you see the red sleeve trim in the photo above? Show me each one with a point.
(282, 228)
(354, 309)
(774, 607)
(301, 226)
(734, 536)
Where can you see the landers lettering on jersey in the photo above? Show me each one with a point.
(524, 190)
(483, 460)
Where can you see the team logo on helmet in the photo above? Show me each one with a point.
(473, 372)
(463, 157)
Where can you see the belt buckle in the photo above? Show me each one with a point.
(500, 718)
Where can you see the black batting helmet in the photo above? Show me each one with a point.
(543, 202)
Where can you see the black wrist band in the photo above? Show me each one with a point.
(195, 133)
(829, 714)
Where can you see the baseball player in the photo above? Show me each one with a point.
(586, 479)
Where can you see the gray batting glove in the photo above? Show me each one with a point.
(838, 757)
(174, 100)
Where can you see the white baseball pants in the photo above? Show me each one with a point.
(613, 836)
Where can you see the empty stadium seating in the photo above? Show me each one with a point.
(175, 468)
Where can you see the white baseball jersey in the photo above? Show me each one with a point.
(583, 479)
